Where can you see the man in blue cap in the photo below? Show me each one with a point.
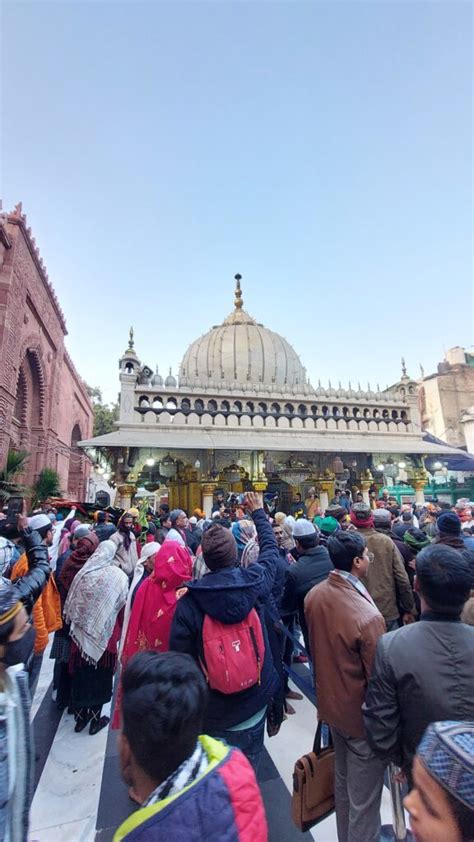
(441, 804)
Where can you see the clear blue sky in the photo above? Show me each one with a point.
(321, 149)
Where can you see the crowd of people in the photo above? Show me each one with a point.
(198, 621)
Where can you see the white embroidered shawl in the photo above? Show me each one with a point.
(95, 598)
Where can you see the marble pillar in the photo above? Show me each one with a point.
(366, 481)
(419, 486)
(323, 500)
(326, 489)
(207, 492)
(125, 495)
(365, 493)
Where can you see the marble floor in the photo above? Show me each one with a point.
(79, 796)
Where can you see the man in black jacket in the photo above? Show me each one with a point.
(29, 587)
(313, 566)
(16, 650)
(227, 594)
(424, 672)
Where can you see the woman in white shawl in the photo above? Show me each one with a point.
(95, 599)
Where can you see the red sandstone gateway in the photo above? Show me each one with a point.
(44, 405)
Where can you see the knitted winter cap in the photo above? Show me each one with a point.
(382, 517)
(339, 512)
(219, 548)
(174, 515)
(449, 523)
(447, 753)
(361, 511)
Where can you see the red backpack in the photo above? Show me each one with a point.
(233, 654)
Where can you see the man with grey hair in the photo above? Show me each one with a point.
(383, 524)
(177, 532)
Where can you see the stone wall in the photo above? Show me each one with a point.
(444, 398)
(44, 406)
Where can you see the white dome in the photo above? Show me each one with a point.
(170, 381)
(241, 352)
(157, 379)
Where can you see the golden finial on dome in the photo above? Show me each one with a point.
(238, 293)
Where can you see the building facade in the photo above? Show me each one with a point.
(44, 405)
(446, 397)
(241, 413)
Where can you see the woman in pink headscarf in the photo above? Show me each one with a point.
(154, 605)
(69, 528)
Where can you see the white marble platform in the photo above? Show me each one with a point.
(66, 802)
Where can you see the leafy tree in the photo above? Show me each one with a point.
(95, 393)
(104, 418)
(47, 485)
(15, 465)
(105, 415)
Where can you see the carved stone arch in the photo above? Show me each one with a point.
(32, 384)
(32, 343)
(22, 399)
(39, 386)
(76, 434)
(75, 480)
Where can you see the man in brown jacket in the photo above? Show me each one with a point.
(388, 581)
(344, 626)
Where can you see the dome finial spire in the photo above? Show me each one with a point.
(131, 343)
(238, 302)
